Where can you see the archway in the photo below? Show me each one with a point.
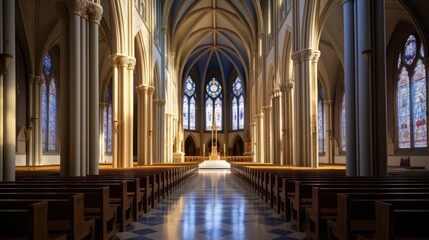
(190, 149)
(238, 148)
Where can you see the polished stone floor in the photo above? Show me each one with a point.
(214, 205)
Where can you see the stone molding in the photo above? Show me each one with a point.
(95, 12)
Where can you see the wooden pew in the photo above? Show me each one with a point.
(324, 204)
(303, 194)
(118, 195)
(96, 205)
(356, 216)
(65, 213)
(401, 219)
(26, 222)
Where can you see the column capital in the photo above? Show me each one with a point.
(316, 56)
(95, 12)
(267, 108)
(296, 57)
(287, 86)
(141, 89)
(31, 78)
(78, 7)
(131, 63)
(159, 102)
(252, 124)
(119, 60)
(150, 90)
(259, 116)
(328, 102)
(38, 80)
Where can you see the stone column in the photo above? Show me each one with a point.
(288, 122)
(30, 126)
(129, 105)
(149, 119)
(141, 127)
(253, 149)
(276, 125)
(267, 134)
(159, 130)
(305, 62)
(64, 120)
(328, 131)
(95, 15)
(38, 151)
(260, 138)
(7, 158)
(350, 86)
(122, 152)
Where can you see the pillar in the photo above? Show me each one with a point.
(95, 142)
(276, 125)
(350, 86)
(253, 145)
(30, 126)
(288, 122)
(8, 96)
(149, 119)
(328, 131)
(260, 138)
(305, 62)
(159, 105)
(267, 134)
(122, 152)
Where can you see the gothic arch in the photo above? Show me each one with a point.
(287, 64)
(238, 147)
(117, 26)
(190, 146)
(141, 62)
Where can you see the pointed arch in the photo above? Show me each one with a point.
(190, 146)
(238, 147)
(141, 61)
(118, 31)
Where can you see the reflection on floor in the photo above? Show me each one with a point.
(212, 206)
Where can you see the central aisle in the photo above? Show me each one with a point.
(214, 205)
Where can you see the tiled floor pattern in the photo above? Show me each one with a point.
(214, 205)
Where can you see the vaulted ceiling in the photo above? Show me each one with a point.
(213, 35)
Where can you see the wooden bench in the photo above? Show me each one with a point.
(396, 220)
(26, 222)
(324, 204)
(65, 213)
(96, 205)
(356, 216)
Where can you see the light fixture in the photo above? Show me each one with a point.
(4, 62)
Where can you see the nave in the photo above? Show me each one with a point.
(212, 205)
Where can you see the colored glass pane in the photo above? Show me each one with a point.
(399, 60)
(192, 112)
(189, 86)
(410, 50)
(234, 114)
(241, 112)
(419, 105)
(47, 65)
(185, 113)
(213, 88)
(237, 87)
(343, 124)
(321, 126)
(109, 129)
(422, 51)
(105, 124)
(403, 98)
(218, 111)
(209, 114)
(44, 111)
(52, 129)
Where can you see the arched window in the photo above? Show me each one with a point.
(237, 105)
(189, 106)
(411, 96)
(343, 124)
(321, 122)
(49, 107)
(107, 122)
(213, 104)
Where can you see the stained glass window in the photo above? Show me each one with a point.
(49, 107)
(237, 104)
(213, 104)
(189, 105)
(107, 122)
(321, 125)
(411, 97)
(343, 124)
